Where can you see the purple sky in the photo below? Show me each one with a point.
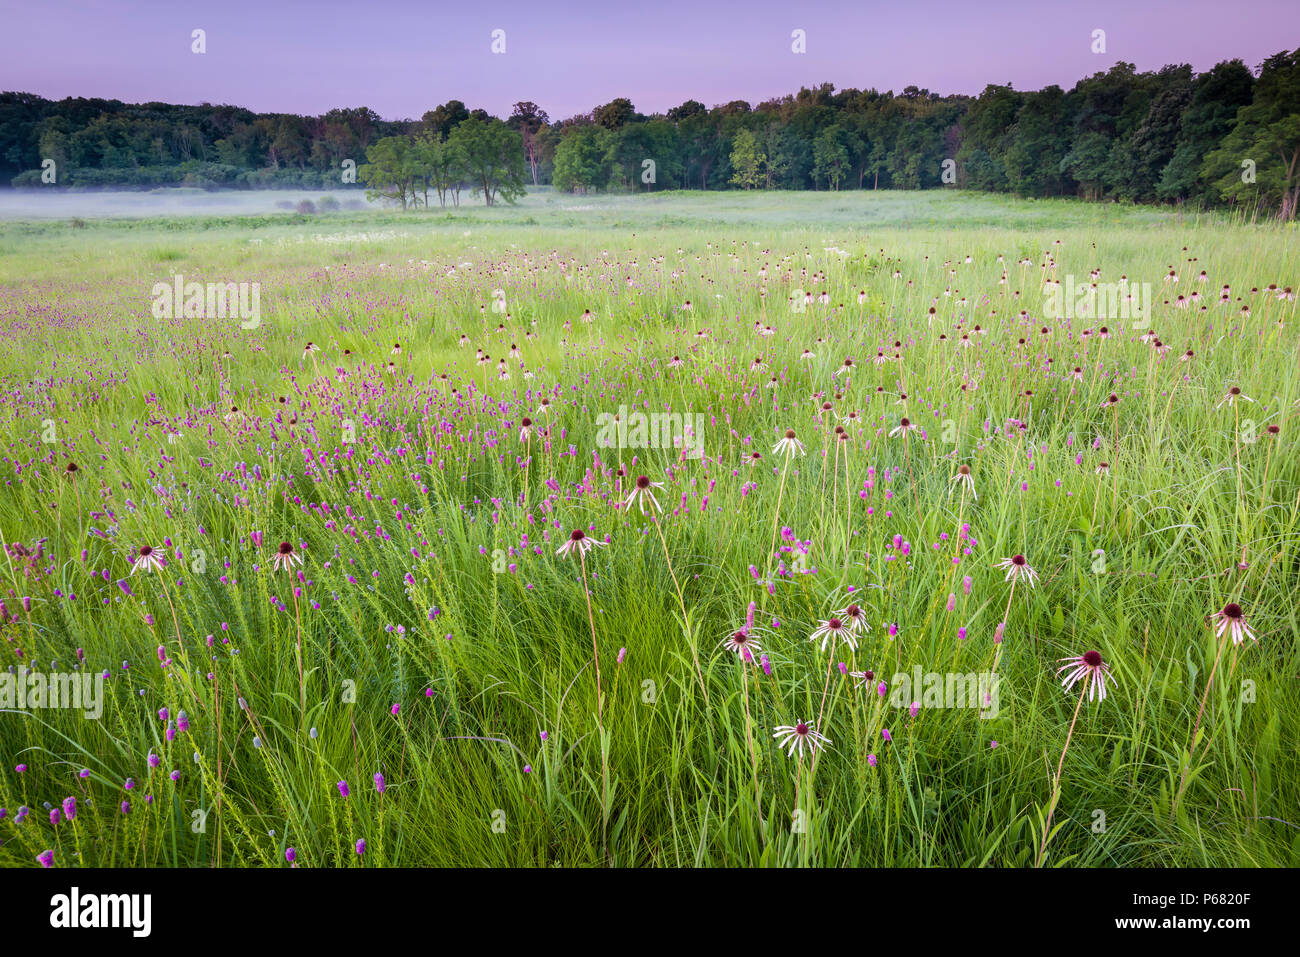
(402, 57)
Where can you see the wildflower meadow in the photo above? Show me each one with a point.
(762, 529)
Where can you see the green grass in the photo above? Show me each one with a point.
(405, 493)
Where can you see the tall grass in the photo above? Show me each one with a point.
(449, 648)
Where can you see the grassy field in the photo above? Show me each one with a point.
(531, 700)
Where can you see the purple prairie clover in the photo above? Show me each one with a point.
(125, 807)
(881, 689)
(154, 760)
(961, 633)
(767, 665)
(70, 808)
(84, 773)
(183, 722)
(395, 710)
(916, 706)
(965, 585)
(54, 815)
(290, 854)
(999, 632)
(528, 769)
(20, 768)
(344, 790)
(175, 776)
(622, 653)
(952, 602)
(884, 733)
(46, 858)
(361, 846)
(543, 735)
(871, 760)
(379, 783)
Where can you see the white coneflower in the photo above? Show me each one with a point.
(397, 349)
(757, 365)
(832, 630)
(1231, 620)
(1103, 468)
(1090, 668)
(577, 542)
(1110, 400)
(514, 352)
(1017, 568)
(311, 347)
(788, 445)
(587, 316)
(525, 429)
(1232, 395)
(148, 559)
(675, 362)
(285, 557)
(854, 617)
(807, 354)
(740, 642)
(798, 736)
(544, 408)
(905, 425)
(866, 679)
(463, 340)
(964, 477)
(643, 489)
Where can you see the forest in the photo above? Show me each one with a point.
(1227, 136)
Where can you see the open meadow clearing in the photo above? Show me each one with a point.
(845, 529)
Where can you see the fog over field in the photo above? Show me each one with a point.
(144, 204)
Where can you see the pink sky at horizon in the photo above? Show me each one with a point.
(402, 57)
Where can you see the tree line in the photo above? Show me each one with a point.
(1228, 135)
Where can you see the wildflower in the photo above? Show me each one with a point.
(799, 735)
(832, 629)
(904, 426)
(1232, 395)
(579, 542)
(1231, 620)
(1088, 667)
(964, 477)
(147, 559)
(285, 557)
(788, 445)
(642, 490)
(854, 617)
(740, 642)
(1016, 568)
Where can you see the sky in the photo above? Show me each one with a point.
(403, 57)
